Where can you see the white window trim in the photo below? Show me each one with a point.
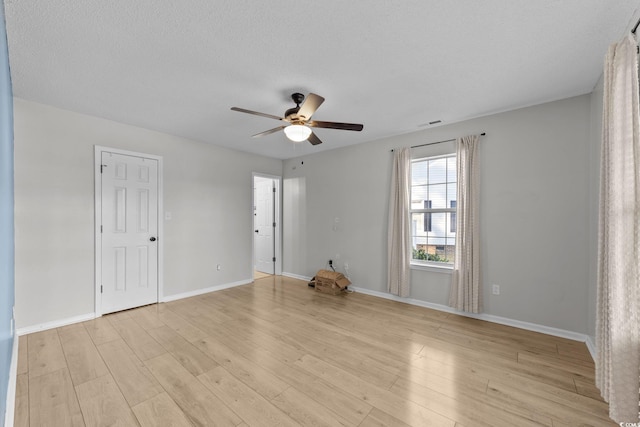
(440, 267)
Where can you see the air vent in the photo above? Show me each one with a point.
(435, 122)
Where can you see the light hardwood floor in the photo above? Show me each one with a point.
(260, 275)
(276, 352)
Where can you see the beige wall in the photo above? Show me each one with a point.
(207, 189)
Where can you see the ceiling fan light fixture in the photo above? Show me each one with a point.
(297, 133)
(298, 119)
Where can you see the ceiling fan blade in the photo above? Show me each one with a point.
(310, 105)
(269, 132)
(335, 125)
(313, 139)
(255, 113)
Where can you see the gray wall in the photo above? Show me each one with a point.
(535, 207)
(207, 189)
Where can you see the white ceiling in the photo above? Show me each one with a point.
(393, 65)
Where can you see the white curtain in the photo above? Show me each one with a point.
(618, 316)
(466, 289)
(399, 231)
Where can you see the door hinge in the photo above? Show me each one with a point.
(102, 168)
(274, 189)
(274, 224)
(101, 229)
(100, 288)
(274, 259)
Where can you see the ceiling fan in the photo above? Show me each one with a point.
(299, 119)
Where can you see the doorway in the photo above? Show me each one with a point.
(128, 230)
(266, 226)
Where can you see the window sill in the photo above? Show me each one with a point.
(446, 269)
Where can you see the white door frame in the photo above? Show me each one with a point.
(277, 232)
(98, 150)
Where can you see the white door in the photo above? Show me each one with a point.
(264, 195)
(129, 219)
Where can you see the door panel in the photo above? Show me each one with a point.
(263, 225)
(129, 217)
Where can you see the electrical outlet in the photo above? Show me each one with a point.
(495, 289)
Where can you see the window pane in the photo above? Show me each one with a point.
(438, 196)
(439, 241)
(438, 225)
(427, 216)
(452, 218)
(451, 194)
(419, 172)
(436, 241)
(417, 227)
(418, 196)
(438, 171)
(450, 251)
(451, 169)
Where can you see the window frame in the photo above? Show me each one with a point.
(453, 212)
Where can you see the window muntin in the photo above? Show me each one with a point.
(433, 210)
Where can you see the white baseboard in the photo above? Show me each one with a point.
(296, 276)
(55, 324)
(482, 316)
(591, 346)
(89, 316)
(204, 291)
(11, 387)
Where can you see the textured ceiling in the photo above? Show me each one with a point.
(178, 66)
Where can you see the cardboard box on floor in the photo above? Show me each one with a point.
(331, 282)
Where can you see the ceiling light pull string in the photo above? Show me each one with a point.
(438, 142)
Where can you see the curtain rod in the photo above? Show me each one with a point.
(439, 142)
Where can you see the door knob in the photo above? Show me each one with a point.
(256, 231)
(153, 239)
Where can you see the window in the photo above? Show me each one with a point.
(433, 210)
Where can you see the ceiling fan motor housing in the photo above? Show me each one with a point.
(291, 113)
(297, 98)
